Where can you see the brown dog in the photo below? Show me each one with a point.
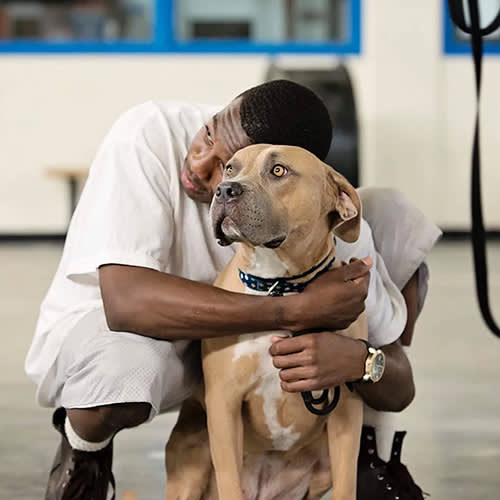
(242, 437)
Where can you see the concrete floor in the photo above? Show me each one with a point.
(453, 445)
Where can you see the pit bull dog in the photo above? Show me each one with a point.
(241, 437)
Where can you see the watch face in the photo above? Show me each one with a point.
(378, 367)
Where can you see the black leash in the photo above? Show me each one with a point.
(478, 233)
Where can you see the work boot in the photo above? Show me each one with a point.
(399, 473)
(380, 480)
(79, 475)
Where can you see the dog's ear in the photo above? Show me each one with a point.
(345, 207)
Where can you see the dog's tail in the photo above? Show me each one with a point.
(129, 495)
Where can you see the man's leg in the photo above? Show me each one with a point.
(104, 382)
(103, 422)
(403, 237)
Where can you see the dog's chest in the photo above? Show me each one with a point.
(276, 418)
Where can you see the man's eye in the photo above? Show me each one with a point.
(209, 136)
(279, 170)
(229, 171)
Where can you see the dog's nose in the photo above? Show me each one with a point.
(228, 190)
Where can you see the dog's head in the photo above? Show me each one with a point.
(272, 194)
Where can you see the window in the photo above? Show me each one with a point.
(259, 26)
(82, 20)
(268, 25)
(458, 42)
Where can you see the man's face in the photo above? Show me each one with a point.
(212, 147)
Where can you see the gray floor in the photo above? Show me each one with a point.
(453, 446)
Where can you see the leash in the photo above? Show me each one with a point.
(478, 234)
(278, 287)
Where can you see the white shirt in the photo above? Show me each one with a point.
(134, 211)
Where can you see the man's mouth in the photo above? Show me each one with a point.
(189, 183)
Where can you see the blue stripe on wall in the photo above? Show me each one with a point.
(164, 40)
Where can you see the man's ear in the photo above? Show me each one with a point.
(345, 207)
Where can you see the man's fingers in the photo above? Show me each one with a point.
(301, 385)
(356, 269)
(363, 280)
(289, 345)
(298, 373)
(289, 361)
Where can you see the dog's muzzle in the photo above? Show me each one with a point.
(244, 212)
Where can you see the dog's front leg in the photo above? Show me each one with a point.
(225, 429)
(344, 432)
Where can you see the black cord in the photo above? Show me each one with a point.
(310, 401)
(478, 233)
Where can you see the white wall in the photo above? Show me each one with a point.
(56, 110)
(415, 108)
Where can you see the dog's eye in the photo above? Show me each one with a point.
(279, 170)
(229, 170)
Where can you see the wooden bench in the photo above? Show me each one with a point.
(73, 175)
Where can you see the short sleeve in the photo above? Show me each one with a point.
(403, 235)
(124, 215)
(385, 306)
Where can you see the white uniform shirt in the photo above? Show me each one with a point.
(134, 211)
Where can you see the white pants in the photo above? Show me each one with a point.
(97, 367)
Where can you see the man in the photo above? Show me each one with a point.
(113, 343)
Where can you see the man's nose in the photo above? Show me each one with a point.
(227, 191)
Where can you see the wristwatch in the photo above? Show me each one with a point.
(374, 364)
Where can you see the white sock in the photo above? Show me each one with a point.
(77, 443)
(385, 424)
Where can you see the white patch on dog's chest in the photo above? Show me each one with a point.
(267, 265)
(268, 385)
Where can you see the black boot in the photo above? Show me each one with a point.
(78, 475)
(380, 480)
(399, 472)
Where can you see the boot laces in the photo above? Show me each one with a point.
(85, 480)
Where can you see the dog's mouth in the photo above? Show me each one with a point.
(275, 243)
(226, 231)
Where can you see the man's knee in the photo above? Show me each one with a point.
(99, 423)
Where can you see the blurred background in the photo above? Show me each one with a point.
(397, 78)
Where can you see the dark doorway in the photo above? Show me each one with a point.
(335, 89)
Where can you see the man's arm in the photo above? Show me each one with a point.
(398, 373)
(159, 305)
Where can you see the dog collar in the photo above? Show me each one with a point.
(280, 286)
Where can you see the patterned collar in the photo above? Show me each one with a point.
(280, 286)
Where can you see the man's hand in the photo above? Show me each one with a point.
(317, 361)
(323, 360)
(334, 300)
